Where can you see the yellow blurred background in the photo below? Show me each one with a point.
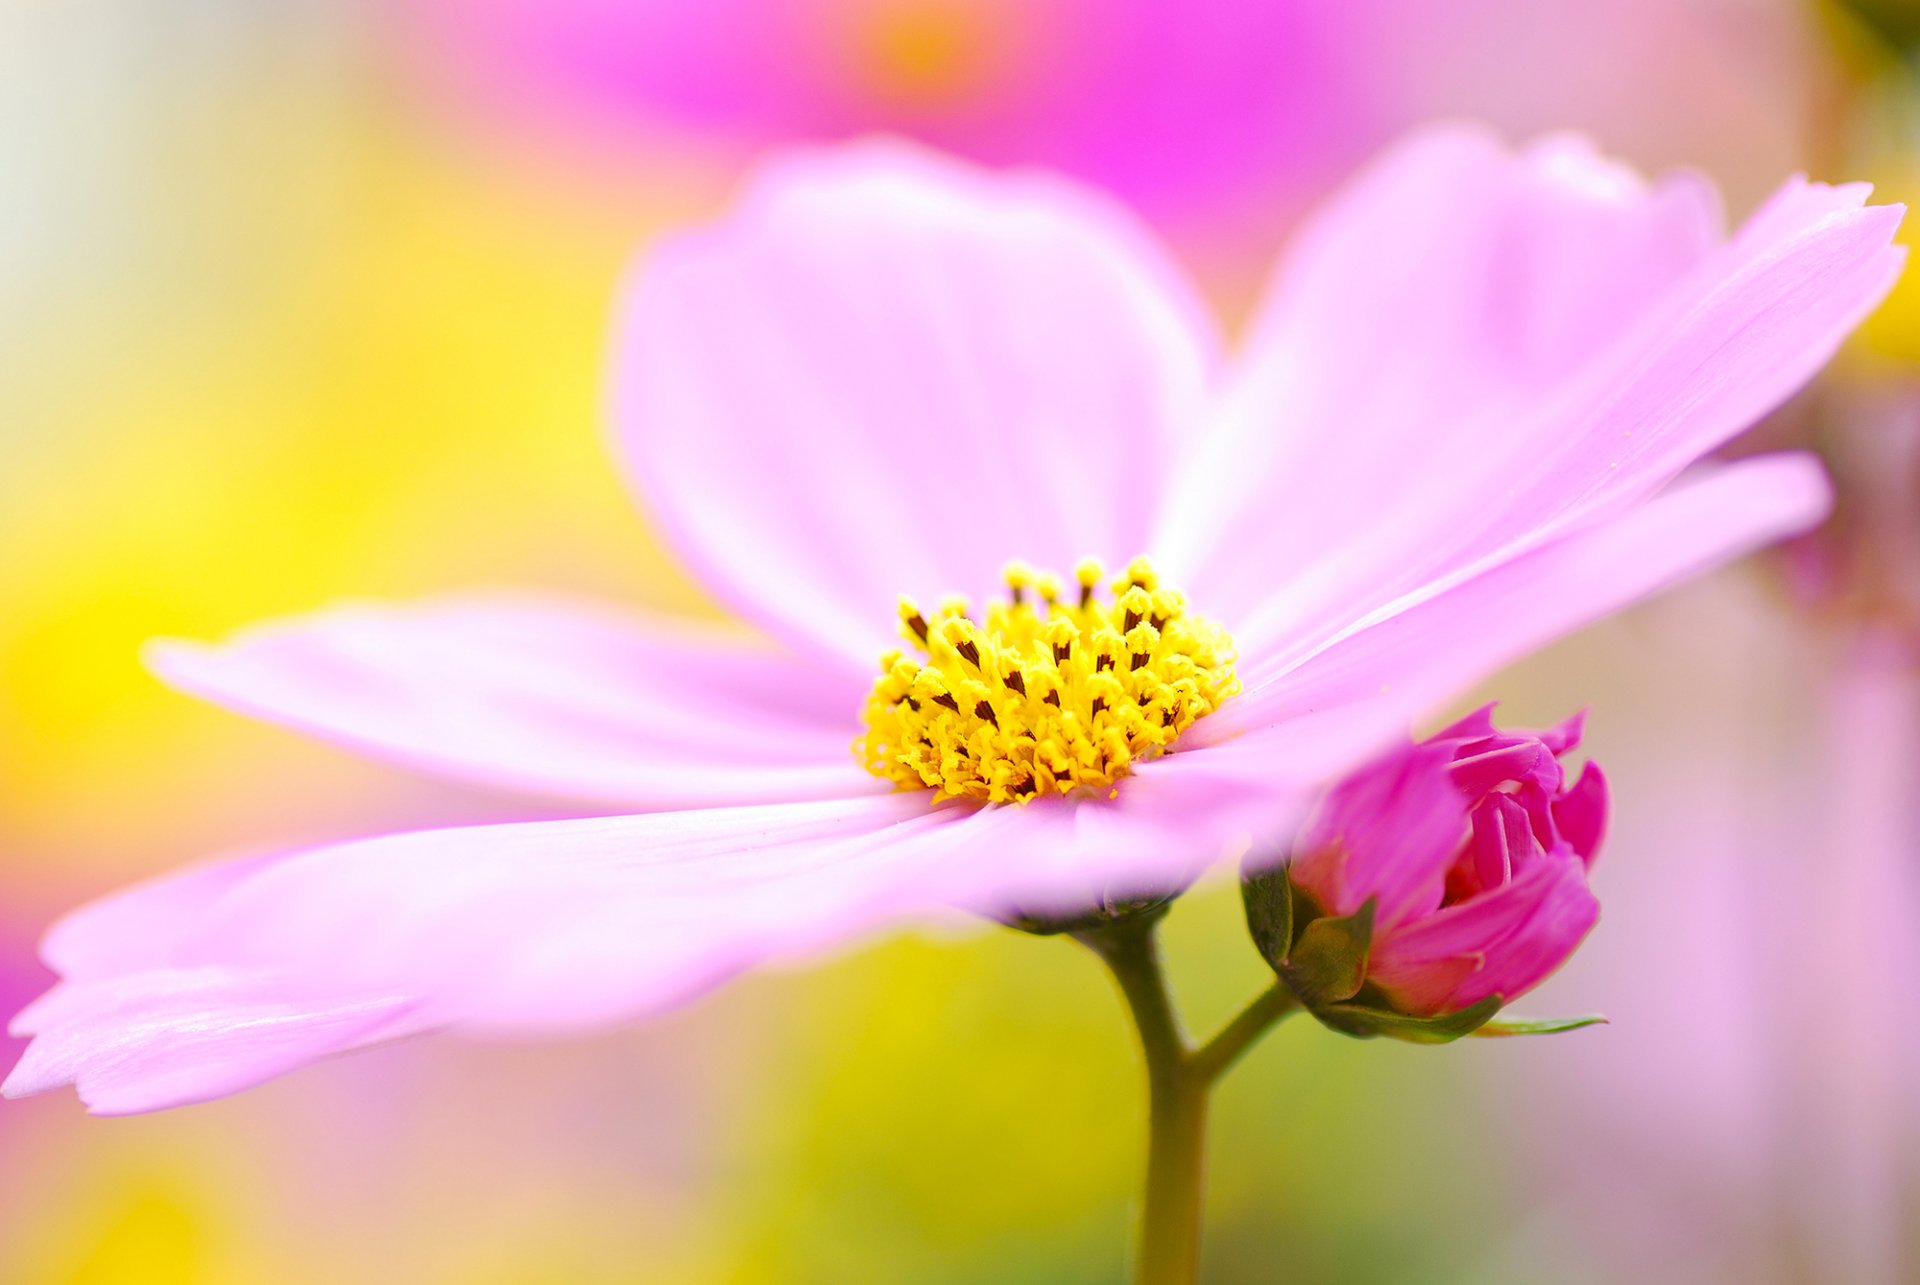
(283, 321)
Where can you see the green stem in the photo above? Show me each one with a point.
(1168, 1249)
(1179, 1082)
(1212, 1059)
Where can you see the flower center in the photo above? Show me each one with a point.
(1043, 697)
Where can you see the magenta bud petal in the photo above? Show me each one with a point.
(1565, 735)
(1501, 943)
(1480, 885)
(1485, 769)
(1581, 813)
(1388, 834)
(1502, 840)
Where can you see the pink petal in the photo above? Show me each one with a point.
(1158, 830)
(1450, 285)
(1389, 832)
(1470, 727)
(170, 1037)
(1445, 395)
(228, 975)
(538, 926)
(139, 925)
(1508, 758)
(890, 373)
(1580, 815)
(547, 695)
(1383, 675)
(1566, 734)
(1516, 935)
(1502, 841)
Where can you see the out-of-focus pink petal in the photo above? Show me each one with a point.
(538, 926)
(232, 974)
(548, 695)
(1510, 939)
(1389, 832)
(563, 924)
(170, 1037)
(1560, 340)
(1387, 672)
(1156, 832)
(890, 373)
(138, 925)
(1472, 726)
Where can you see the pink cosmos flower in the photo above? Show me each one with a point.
(1474, 851)
(1456, 430)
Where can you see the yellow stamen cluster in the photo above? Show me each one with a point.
(1048, 695)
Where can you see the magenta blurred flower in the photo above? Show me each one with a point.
(1449, 438)
(1474, 852)
(1167, 105)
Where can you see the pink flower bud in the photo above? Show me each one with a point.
(1474, 850)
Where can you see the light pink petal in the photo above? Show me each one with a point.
(231, 974)
(1158, 830)
(1382, 675)
(1448, 285)
(890, 373)
(1551, 340)
(140, 925)
(170, 1037)
(548, 695)
(242, 972)
(1503, 942)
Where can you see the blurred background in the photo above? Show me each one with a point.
(302, 301)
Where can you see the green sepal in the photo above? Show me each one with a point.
(1321, 958)
(1268, 897)
(1537, 1026)
(1328, 962)
(1365, 1022)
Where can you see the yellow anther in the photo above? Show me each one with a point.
(1139, 572)
(1089, 573)
(1020, 578)
(912, 623)
(1046, 698)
